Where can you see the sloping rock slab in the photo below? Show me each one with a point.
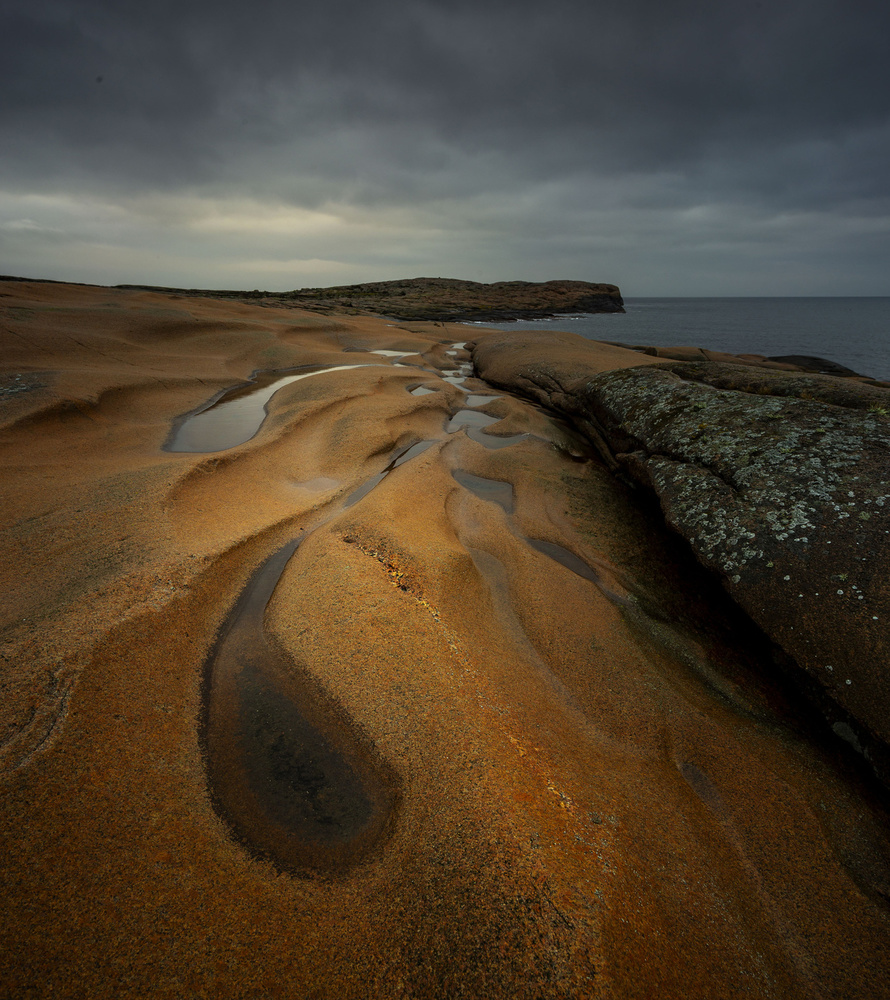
(780, 484)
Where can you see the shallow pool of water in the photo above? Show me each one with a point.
(577, 565)
(285, 771)
(235, 416)
(470, 418)
(494, 490)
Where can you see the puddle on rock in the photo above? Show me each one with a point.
(493, 441)
(286, 770)
(566, 558)
(470, 418)
(494, 490)
(421, 390)
(457, 376)
(235, 416)
(478, 399)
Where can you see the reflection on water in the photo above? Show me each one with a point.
(502, 493)
(470, 418)
(395, 354)
(494, 442)
(478, 399)
(576, 565)
(236, 416)
(286, 769)
(457, 376)
(488, 489)
(566, 558)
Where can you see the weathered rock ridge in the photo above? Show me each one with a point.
(780, 482)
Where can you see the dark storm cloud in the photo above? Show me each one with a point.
(566, 107)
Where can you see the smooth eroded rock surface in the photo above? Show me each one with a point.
(488, 730)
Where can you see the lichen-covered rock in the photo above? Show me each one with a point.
(839, 391)
(788, 499)
(781, 484)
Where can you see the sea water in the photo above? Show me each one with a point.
(854, 332)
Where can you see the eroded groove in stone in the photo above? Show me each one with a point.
(480, 399)
(402, 455)
(576, 565)
(286, 770)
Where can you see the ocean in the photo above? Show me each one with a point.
(854, 332)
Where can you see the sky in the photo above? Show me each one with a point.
(671, 147)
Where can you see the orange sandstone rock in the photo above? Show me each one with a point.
(595, 787)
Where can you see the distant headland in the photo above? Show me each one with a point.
(447, 300)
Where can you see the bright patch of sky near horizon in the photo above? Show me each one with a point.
(673, 149)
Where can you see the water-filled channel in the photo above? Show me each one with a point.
(236, 415)
(286, 769)
(494, 490)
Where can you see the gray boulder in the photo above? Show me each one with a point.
(779, 482)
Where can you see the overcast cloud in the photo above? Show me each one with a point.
(672, 148)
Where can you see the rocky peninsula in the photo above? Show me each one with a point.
(444, 300)
(348, 656)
